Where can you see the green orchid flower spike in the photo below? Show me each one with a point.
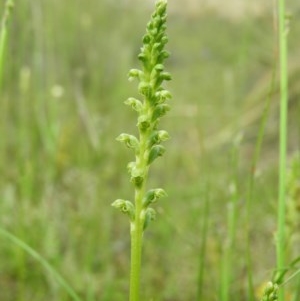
(147, 147)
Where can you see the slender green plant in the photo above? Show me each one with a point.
(3, 34)
(227, 264)
(281, 241)
(147, 147)
(44, 263)
(251, 182)
(202, 253)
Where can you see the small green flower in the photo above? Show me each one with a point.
(149, 217)
(134, 103)
(129, 140)
(153, 195)
(125, 207)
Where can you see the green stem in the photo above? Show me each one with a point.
(283, 141)
(136, 248)
(137, 226)
(136, 255)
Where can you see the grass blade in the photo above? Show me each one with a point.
(46, 265)
(3, 34)
(280, 242)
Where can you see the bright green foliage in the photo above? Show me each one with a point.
(147, 146)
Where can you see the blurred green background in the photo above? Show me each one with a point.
(65, 80)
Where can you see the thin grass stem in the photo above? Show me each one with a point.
(232, 212)
(280, 242)
(250, 189)
(253, 169)
(202, 253)
(3, 34)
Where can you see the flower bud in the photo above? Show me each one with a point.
(160, 111)
(125, 207)
(164, 40)
(153, 195)
(163, 135)
(161, 7)
(155, 152)
(137, 175)
(137, 181)
(159, 67)
(157, 21)
(162, 96)
(166, 76)
(162, 56)
(269, 288)
(145, 89)
(134, 103)
(143, 123)
(157, 45)
(149, 217)
(135, 73)
(146, 39)
(163, 27)
(158, 137)
(129, 140)
(153, 31)
(143, 58)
